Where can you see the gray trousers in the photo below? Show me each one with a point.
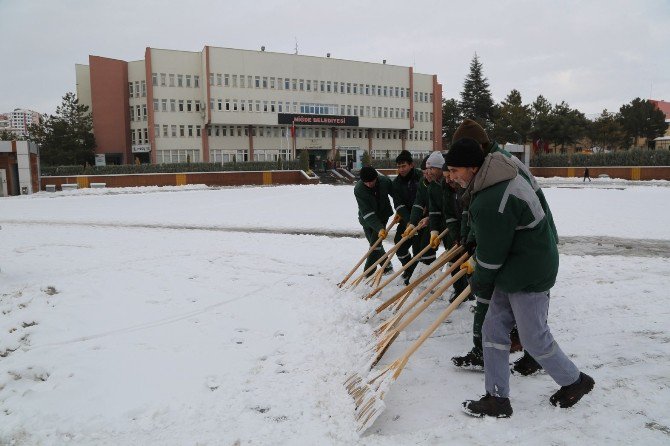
(530, 311)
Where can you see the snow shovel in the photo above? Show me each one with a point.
(376, 278)
(415, 259)
(387, 329)
(441, 260)
(365, 256)
(368, 394)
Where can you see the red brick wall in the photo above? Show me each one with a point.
(171, 179)
(109, 97)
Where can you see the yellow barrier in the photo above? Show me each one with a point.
(180, 179)
(82, 182)
(267, 177)
(635, 173)
(571, 172)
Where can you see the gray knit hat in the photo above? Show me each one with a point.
(435, 160)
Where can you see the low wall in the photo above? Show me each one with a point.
(626, 173)
(238, 178)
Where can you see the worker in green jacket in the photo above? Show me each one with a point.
(372, 194)
(516, 265)
(419, 214)
(525, 365)
(405, 189)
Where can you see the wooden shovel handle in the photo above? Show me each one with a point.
(437, 264)
(365, 256)
(429, 331)
(415, 259)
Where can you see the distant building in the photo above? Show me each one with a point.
(5, 123)
(20, 120)
(663, 142)
(222, 104)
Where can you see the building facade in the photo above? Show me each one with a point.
(18, 121)
(221, 104)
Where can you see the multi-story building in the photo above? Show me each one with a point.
(221, 104)
(663, 142)
(20, 120)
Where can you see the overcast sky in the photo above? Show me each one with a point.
(591, 54)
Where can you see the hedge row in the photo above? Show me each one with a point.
(619, 158)
(125, 169)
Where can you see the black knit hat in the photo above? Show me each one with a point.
(404, 157)
(423, 163)
(466, 152)
(368, 173)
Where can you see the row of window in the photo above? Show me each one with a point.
(137, 89)
(138, 112)
(228, 156)
(195, 131)
(139, 136)
(392, 154)
(178, 156)
(177, 131)
(367, 111)
(293, 84)
(175, 80)
(241, 155)
(181, 105)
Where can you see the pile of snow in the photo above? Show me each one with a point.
(121, 334)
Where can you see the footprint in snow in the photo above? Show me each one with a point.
(238, 341)
(213, 383)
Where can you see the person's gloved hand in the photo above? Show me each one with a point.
(434, 239)
(382, 234)
(469, 266)
(408, 231)
(396, 218)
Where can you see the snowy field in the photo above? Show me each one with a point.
(200, 316)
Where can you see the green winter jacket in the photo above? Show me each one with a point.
(420, 206)
(525, 173)
(374, 206)
(405, 191)
(516, 250)
(442, 212)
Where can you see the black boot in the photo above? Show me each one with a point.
(489, 405)
(474, 359)
(568, 396)
(526, 365)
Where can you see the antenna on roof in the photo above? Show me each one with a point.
(296, 45)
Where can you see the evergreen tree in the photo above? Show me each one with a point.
(541, 122)
(513, 122)
(476, 100)
(366, 160)
(569, 125)
(6, 135)
(642, 119)
(451, 119)
(607, 132)
(65, 138)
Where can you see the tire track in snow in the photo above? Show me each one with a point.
(568, 245)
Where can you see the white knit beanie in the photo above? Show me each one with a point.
(435, 160)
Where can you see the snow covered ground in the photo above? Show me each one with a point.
(190, 315)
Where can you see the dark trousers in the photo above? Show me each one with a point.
(372, 237)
